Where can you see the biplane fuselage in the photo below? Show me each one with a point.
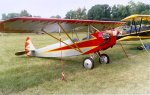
(97, 42)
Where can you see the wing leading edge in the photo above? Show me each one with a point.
(29, 24)
(137, 18)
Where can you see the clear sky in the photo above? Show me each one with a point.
(48, 8)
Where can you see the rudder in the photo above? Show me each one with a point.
(29, 48)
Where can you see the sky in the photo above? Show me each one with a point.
(48, 8)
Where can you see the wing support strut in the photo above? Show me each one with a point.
(70, 38)
(59, 40)
(94, 28)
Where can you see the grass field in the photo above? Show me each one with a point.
(42, 76)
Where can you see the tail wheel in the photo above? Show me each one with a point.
(88, 63)
(104, 59)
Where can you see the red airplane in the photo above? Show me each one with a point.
(100, 36)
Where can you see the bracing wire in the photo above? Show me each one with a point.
(62, 64)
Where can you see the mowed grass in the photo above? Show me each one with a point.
(42, 76)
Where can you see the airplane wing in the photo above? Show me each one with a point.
(137, 18)
(134, 37)
(29, 24)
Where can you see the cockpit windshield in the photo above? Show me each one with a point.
(105, 36)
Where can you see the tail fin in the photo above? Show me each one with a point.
(29, 48)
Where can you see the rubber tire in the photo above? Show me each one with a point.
(105, 55)
(85, 64)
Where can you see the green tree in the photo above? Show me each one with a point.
(123, 11)
(146, 12)
(25, 13)
(114, 12)
(120, 11)
(4, 16)
(76, 14)
(10, 15)
(71, 15)
(132, 5)
(14, 15)
(138, 8)
(99, 12)
(81, 13)
(57, 16)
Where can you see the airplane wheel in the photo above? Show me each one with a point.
(88, 63)
(104, 59)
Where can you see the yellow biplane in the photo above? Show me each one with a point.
(137, 29)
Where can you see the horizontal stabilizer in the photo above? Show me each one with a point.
(20, 53)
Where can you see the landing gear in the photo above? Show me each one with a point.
(104, 59)
(88, 62)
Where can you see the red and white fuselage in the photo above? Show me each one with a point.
(99, 41)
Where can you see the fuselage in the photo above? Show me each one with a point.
(97, 42)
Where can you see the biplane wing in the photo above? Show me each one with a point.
(136, 31)
(29, 24)
(137, 18)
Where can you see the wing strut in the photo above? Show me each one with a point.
(94, 28)
(76, 34)
(69, 37)
(88, 34)
(59, 40)
(140, 25)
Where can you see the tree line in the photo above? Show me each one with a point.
(96, 12)
(23, 13)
